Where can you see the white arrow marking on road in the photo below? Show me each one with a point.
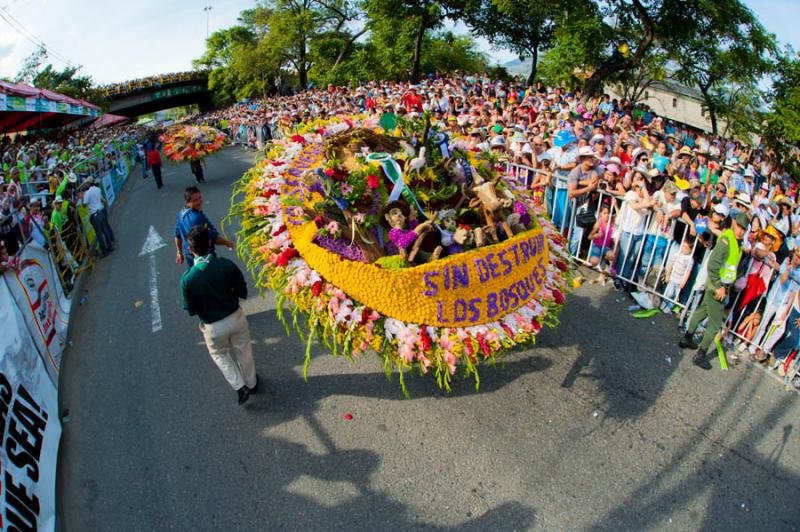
(152, 243)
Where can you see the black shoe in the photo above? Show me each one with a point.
(700, 361)
(687, 342)
(254, 389)
(243, 394)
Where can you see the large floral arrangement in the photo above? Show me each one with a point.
(190, 143)
(406, 243)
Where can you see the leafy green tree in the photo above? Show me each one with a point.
(742, 108)
(578, 46)
(730, 47)
(414, 17)
(525, 27)
(30, 66)
(783, 120)
(35, 72)
(636, 81)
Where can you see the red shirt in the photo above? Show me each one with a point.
(153, 157)
(411, 102)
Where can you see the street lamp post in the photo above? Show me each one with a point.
(208, 9)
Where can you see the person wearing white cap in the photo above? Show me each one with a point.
(581, 182)
(60, 214)
(717, 221)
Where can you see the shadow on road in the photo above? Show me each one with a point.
(631, 375)
(724, 480)
(300, 482)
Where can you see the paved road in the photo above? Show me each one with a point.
(604, 425)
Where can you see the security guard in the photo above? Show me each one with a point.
(721, 268)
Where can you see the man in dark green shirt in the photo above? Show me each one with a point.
(721, 269)
(211, 290)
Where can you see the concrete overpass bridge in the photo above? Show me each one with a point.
(156, 93)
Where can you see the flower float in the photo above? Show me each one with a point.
(403, 242)
(191, 143)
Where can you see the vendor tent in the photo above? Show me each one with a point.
(108, 120)
(24, 108)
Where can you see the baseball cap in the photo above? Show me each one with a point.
(743, 219)
(721, 208)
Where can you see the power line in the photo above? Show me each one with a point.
(25, 32)
(20, 28)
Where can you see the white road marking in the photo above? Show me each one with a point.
(155, 307)
(153, 243)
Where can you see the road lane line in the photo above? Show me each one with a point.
(155, 307)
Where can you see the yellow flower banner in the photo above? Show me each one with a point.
(471, 288)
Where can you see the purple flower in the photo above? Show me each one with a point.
(524, 216)
(341, 247)
(316, 186)
(403, 239)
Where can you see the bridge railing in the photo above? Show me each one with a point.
(150, 82)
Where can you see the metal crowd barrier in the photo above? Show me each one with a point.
(640, 260)
(70, 260)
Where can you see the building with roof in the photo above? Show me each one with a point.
(676, 102)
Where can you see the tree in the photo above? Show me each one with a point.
(524, 27)
(639, 25)
(420, 16)
(224, 57)
(730, 47)
(635, 23)
(783, 120)
(35, 72)
(636, 81)
(578, 45)
(742, 108)
(31, 65)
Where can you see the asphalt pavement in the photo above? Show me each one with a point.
(604, 425)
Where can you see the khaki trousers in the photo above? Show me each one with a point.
(228, 342)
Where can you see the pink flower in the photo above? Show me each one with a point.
(406, 352)
(372, 181)
(449, 359)
(333, 227)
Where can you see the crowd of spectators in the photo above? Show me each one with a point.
(42, 178)
(640, 198)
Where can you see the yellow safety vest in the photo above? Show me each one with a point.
(727, 274)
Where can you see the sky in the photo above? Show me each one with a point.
(117, 41)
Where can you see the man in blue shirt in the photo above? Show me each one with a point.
(192, 216)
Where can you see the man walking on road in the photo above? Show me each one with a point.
(211, 290)
(154, 163)
(98, 216)
(192, 216)
(197, 169)
(721, 269)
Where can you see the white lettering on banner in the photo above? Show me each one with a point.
(108, 188)
(29, 427)
(152, 243)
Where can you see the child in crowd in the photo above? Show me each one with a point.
(746, 332)
(601, 251)
(679, 269)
